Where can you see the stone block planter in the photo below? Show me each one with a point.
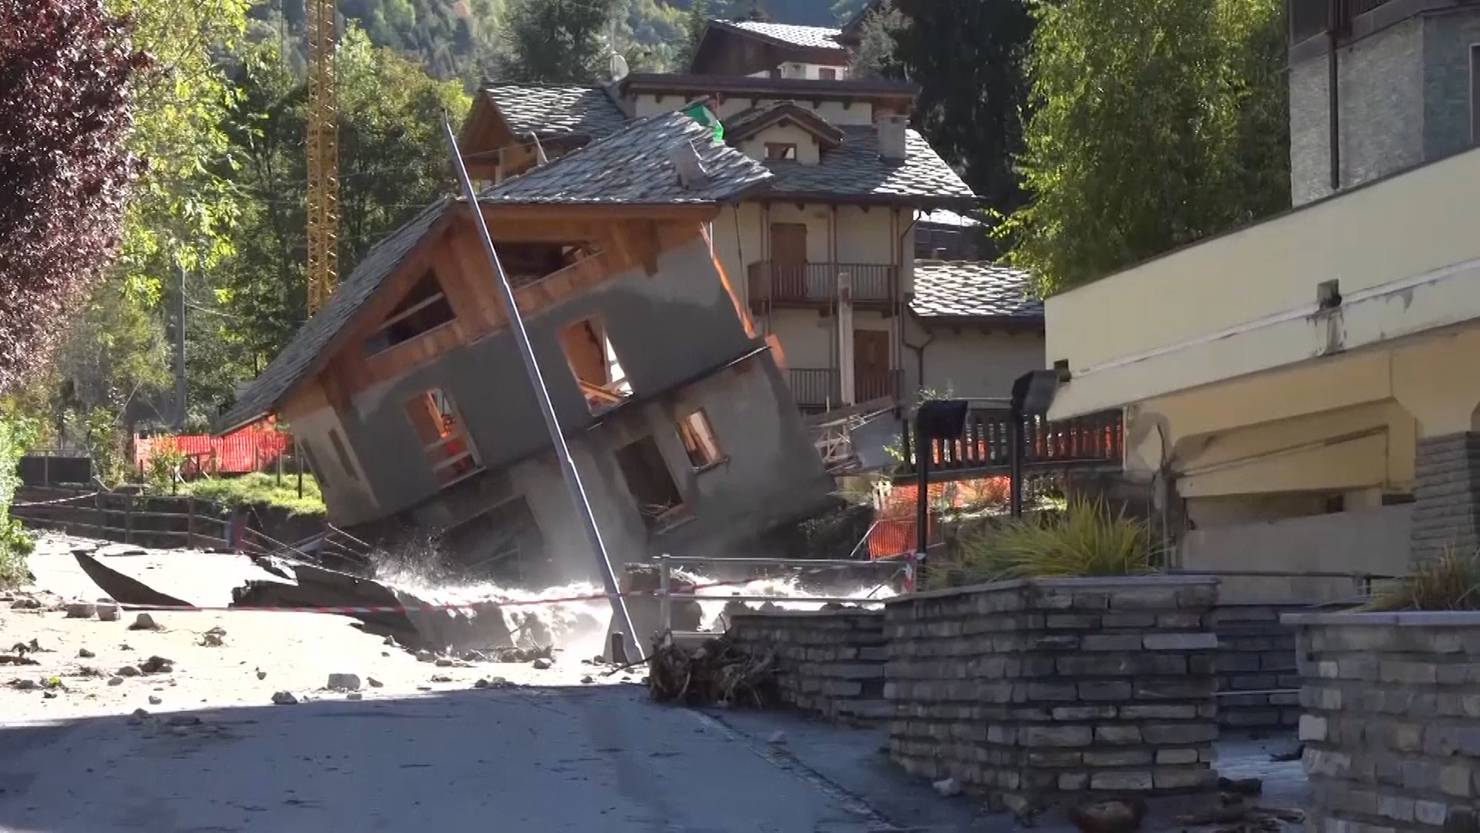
(1038, 690)
(1257, 680)
(1391, 720)
(830, 662)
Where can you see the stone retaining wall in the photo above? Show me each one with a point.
(1027, 690)
(1391, 721)
(1256, 652)
(830, 662)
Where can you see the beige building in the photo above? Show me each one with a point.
(1303, 393)
(824, 256)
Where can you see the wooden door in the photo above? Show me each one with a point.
(871, 365)
(789, 261)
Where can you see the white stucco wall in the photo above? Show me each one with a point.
(971, 363)
(836, 112)
(808, 152)
(1366, 541)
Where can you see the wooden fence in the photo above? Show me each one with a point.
(126, 517)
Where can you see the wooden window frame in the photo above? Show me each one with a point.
(831, 76)
(391, 321)
(599, 398)
(701, 440)
(427, 400)
(773, 148)
(342, 453)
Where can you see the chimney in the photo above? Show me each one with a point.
(691, 173)
(891, 137)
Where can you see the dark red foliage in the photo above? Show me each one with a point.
(66, 71)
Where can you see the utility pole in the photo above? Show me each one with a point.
(568, 470)
(181, 389)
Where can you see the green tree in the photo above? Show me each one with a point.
(968, 58)
(875, 57)
(1158, 122)
(555, 41)
(393, 161)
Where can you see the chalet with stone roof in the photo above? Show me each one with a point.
(854, 192)
(408, 395)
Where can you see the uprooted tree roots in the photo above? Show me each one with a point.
(717, 672)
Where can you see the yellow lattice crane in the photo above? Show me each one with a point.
(323, 155)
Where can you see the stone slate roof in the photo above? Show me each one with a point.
(973, 289)
(297, 359)
(854, 170)
(810, 37)
(548, 110)
(632, 167)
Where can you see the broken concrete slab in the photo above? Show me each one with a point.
(122, 588)
(412, 621)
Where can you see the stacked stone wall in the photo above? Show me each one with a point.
(1258, 684)
(1391, 721)
(830, 663)
(1026, 691)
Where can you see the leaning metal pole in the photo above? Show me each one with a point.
(542, 395)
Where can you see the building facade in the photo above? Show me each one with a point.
(409, 396)
(1303, 393)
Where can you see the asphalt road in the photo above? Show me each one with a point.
(519, 759)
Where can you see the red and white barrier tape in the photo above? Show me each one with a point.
(356, 609)
(55, 501)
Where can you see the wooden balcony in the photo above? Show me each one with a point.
(1093, 440)
(875, 285)
(817, 388)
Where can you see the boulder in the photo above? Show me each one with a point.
(284, 698)
(81, 610)
(343, 682)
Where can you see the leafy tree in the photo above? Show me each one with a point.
(555, 41)
(67, 69)
(875, 56)
(968, 58)
(1159, 122)
(392, 163)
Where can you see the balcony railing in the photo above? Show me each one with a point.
(810, 284)
(1094, 439)
(817, 388)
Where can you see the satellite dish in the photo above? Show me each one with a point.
(619, 68)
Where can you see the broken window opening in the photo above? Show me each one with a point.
(502, 544)
(319, 472)
(528, 263)
(423, 309)
(594, 362)
(444, 436)
(781, 151)
(698, 440)
(343, 454)
(652, 487)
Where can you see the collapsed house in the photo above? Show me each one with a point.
(408, 397)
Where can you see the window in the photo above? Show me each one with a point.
(444, 437)
(342, 453)
(698, 439)
(781, 151)
(1475, 93)
(827, 74)
(313, 463)
(595, 365)
(502, 544)
(652, 487)
(424, 308)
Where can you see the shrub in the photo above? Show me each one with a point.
(1086, 539)
(165, 460)
(258, 489)
(1449, 582)
(15, 542)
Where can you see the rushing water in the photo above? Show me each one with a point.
(575, 615)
